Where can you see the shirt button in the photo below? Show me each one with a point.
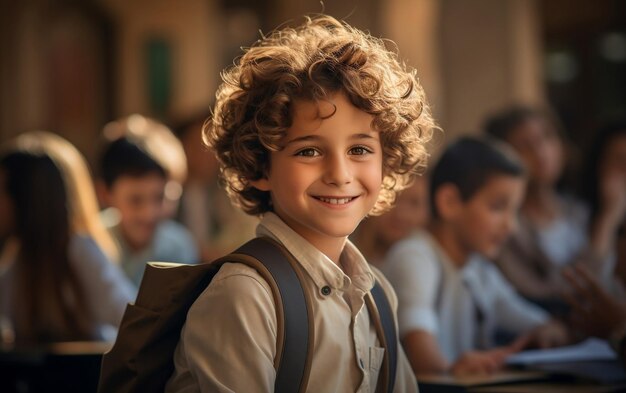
(326, 290)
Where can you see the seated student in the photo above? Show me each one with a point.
(451, 299)
(375, 235)
(315, 127)
(56, 283)
(205, 209)
(604, 189)
(137, 173)
(552, 225)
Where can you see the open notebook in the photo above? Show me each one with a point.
(590, 359)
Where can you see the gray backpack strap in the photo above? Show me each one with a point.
(293, 306)
(384, 322)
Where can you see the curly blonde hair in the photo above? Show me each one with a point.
(254, 104)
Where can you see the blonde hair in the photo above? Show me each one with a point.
(254, 104)
(83, 205)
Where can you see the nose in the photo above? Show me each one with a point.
(338, 170)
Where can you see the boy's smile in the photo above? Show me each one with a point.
(328, 174)
(139, 200)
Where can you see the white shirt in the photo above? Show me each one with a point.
(171, 242)
(461, 307)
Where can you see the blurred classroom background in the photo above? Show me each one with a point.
(72, 66)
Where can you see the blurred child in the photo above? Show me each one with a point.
(56, 284)
(599, 303)
(375, 235)
(552, 226)
(314, 128)
(205, 208)
(604, 188)
(141, 171)
(451, 299)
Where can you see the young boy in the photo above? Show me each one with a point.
(451, 300)
(139, 166)
(314, 128)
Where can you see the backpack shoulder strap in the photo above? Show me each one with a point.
(384, 322)
(295, 333)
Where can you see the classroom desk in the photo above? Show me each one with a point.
(60, 367)
(521, 381)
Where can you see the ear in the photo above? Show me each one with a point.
(448, 201)
(263, 184)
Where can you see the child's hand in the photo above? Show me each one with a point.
(594, 311)
(549, 335)
(485, 362)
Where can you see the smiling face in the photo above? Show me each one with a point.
(487, 219)
(328, 175)
(140, 203)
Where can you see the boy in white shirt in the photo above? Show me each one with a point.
(451, 299)
(314, 128)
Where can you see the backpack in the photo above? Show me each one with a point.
(141, 360)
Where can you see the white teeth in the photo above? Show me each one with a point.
(335, 201)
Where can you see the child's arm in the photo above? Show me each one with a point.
(512, 313)
(426, 357)
(486, 362)
(413, 270)
(229, 338)
(423, 352)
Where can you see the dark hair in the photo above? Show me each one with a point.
(469, 163)
(44, 274)
(185, 125)
(501, 124)
(591, 182)
(123, 157)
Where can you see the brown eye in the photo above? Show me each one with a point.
(360, 150)
(308, 152)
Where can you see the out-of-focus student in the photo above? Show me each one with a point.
(56, 283)
(141, 171)
(375, 235)
(552, 230)
(205, 208)
(452, 300)
(604, 188)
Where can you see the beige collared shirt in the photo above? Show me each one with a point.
(228, 343)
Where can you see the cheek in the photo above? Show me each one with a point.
(373, 177)
(485, 223)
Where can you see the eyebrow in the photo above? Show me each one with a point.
(307, 138)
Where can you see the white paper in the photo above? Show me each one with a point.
(591, 349)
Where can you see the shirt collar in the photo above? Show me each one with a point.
(465, 271)
(318, 266)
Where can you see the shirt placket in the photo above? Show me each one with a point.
(360, 330)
